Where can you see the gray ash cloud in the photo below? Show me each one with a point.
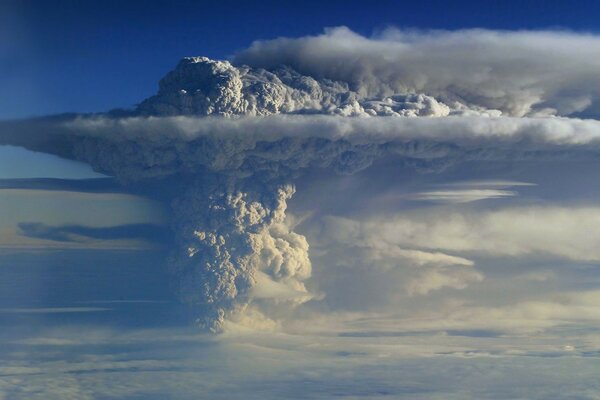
(227, 140)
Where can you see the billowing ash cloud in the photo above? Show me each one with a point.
(201, 86)
(519, 73)
(229, 238)
(228, 140)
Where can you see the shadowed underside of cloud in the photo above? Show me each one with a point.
(137, 148)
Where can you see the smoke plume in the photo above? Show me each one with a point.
(227, 140)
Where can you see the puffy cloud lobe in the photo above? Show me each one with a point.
(201, 86)
(519, 73)
(228, 239)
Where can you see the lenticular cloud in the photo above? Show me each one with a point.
(227, 140)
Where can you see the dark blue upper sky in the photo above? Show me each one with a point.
(61, 56)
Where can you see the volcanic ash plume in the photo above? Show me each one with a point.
(235, 135)
(232, 242)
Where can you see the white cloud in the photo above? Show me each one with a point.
(461, 196)
(564, 232)
(468, 191)
(432, 248)
(345, 243)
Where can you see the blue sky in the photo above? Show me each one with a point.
(88, 56)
